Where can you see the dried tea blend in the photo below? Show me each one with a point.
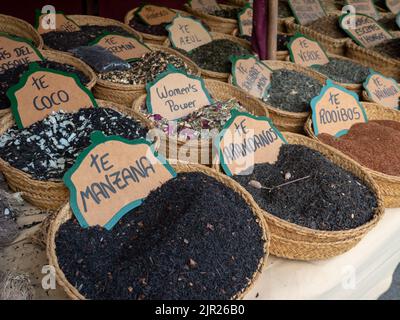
(389, 23)
(48, 148)
(65, 41)
(389, 48)
(292, 91)
(305, 188)
(146, 69)
(12, 76)
(156, 30)
(343, 71)
(192, 238)
(328, 26)
(281, 44)
(371, 144)
(284, 10)
(227, 13)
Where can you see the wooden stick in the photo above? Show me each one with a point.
(272, 28)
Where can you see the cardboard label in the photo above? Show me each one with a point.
(175, 94)
(209, 6)
(16, 51)
(366, 7)
(306, 11)
(335, 110)
(113, 176)
(125, 47)
(187, 34)
(251, 75)
(247, 140)
(382, 90)
(41, 92)
(393, 6)
(155, 15)
(47, 22)
(366, 31)
(245, 20)
(306, 52)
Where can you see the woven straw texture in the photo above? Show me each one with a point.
(292, 241)
(201, 151)
(208, 74)
(125, 94)
(389, 185)
(65, 214)
(20, 28)
(47, 195)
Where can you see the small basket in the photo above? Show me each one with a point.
(389, 185)
(125, 94)
(20, 28)
(46, 195)
(291, 241)
(201, 151)
(65, 214)
(208, 74)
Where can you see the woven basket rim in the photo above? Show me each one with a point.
(65, 213)
(211, 17)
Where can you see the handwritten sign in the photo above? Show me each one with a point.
(246, 140)
(174, 94)
(113, 176)
(16, 51)
(306, 52)
(41, 92)
(382, 90)
(54, 22)
(245, 20)
(251, 75)
(366, 31)
(306, 11)
(187, 34)
(125, 47)
(366, 7)
(155, 15)
(393, 6)
(209, 6)
(335, 110)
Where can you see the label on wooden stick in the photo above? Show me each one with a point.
(366, 7)
(47, 22)
(41, 92)
(113, 176)
(247, 140)
(335, 110)
(209, 6)
(155, 15)
(306, 52)
(15, 51)
(187, 34)
(245, 20)
(175, 94)
(382, 90)
(393, 6)
(306, 11)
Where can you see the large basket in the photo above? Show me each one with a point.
(208, 74)
(65, 214)
(47, 195)
(289, 240)
(20, 28)
(125, 93)
(201, 151)
(389, 185)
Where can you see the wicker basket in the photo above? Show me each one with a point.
(332, 45)
(125, 94)
(65, 214)
(389, 185)
(289, 240)
(201, 151)
(208, 74)
(20, 28)
(47, 195)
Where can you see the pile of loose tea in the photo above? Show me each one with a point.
(227, 13)
(212, 117)
(389, 23)
(146, 69)
(192, 238)
(372, 144)
(284, 10)
(390, 48)
(328, 26)
(214, 56)
(48, 148)
(65, 41)
(282, 41)
(305, 188)
(343, 71)
(12, 76)
(292, 91)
